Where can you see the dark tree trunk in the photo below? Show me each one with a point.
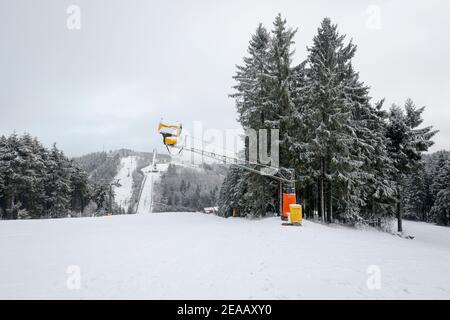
(317, 199)
(10, 207)
(399, 216)
(399, 209)
(2, 209)
(330, 202)
(372, 205)
(310, 202)
(322, 200)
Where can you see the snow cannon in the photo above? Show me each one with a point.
(289, 198)
(295, 215)
(170, 133)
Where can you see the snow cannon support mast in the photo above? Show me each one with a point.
(285, 176)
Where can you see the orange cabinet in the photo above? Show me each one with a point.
(288, 199)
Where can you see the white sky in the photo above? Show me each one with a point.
(106, 85)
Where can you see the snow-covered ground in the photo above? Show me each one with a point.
(145, 200)
(122, 194)
(193, 255)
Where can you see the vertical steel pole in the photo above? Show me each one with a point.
(281, 198)
(110, 199)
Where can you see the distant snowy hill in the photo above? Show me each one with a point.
(124, 166)
(146, 197)
(123, 193)
(186, 187)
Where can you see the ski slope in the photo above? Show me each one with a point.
(199, 256)
(145, 200)
(122, 194)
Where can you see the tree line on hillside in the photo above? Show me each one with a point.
(36, 182)
(188, 189)
(427, 192)
(100, 166)
(352, 158)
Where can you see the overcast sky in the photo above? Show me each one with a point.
(106, 85)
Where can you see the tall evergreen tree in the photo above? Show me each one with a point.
(280, 75)
(101, 196)
(440, 211)
(440, 181)
(417, 195)
(406, 143)
(252, 86)
(81, 188)
(325, 120)
(441, 208)
(231, 193)
(57, 184)
(263, 101)
(4, 148)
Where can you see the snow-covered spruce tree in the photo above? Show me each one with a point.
(35, 182)
(252, 86)
(263, 102)
(260, 196)
(22, 170)
(320, 113)
(406, 143)
(4, 149)
(81, 188)
(4, 176)
(9, 162)
(417, 195)
(421, 188)
(338, 131)
(374, 188)
(440, 211)
(100, 196)
(57, 184)
(225, 203)
(432, 166)
(439, 174)
(280, 74)
(195, 199)
(33, 169)
(231, 193)
(296, 141)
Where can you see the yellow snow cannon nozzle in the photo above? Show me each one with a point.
(170, 133)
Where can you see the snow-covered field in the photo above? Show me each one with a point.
(193, 255)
